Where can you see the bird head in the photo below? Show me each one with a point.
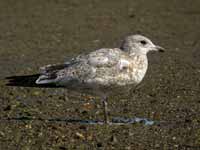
(138, 44)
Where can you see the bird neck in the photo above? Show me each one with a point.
(137, 53)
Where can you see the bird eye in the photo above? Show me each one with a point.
(143, 42)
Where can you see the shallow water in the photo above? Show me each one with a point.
(113, 121)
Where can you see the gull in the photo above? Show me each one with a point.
(103, 70)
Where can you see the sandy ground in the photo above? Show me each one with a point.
(34, 33)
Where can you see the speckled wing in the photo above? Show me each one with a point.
(104, 57)
(81, 68)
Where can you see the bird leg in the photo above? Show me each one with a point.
(105, 105)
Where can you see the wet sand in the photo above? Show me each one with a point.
(34, 33)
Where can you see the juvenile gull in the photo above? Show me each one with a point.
(103, 69)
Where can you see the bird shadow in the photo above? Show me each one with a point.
(27, 81)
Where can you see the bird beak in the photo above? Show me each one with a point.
(158, 48)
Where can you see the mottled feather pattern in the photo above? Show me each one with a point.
(106, 66)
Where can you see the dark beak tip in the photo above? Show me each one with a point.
(161, 50)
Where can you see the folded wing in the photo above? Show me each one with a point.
(81, 68)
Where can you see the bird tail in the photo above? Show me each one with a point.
(49, 73)
(45, 79)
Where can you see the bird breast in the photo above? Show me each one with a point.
(132, 70)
